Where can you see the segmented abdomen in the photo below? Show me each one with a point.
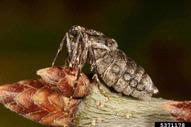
(124, 75)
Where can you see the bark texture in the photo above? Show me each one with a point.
(103, 108)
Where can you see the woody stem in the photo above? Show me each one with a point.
(123, 111)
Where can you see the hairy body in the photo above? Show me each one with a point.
(110, 64)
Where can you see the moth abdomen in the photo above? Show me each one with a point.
(137, 84)
(124, 75)
(110, 67)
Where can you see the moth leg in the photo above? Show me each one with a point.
(84, 50)
(79, 54)
(102, 91)
(95, 76)
(59, 50)
(75, 52)
(68, 45)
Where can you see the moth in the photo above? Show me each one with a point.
(109, 64)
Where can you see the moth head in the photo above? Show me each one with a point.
(76, 28)
(111, 43)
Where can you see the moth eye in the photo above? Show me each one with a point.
(74, 33)
(109, 43)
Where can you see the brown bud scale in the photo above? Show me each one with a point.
(52, 100)
(180, 110)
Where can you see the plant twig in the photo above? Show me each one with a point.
(123, 111)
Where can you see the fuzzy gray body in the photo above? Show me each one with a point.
(112, 65)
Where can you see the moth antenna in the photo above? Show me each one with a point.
(59, 50)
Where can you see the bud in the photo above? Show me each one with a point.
(49, 100)
(180, 110)
(65, 80)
